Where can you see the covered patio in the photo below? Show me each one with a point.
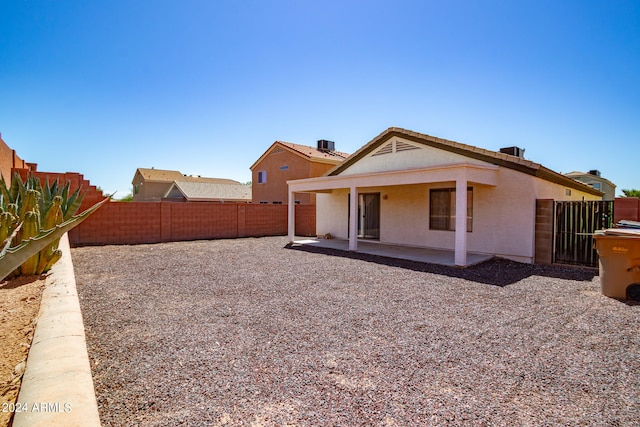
(412, 253)
(461, 175)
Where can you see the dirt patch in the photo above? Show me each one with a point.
(19, 305)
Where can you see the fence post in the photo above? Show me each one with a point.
(543, 250)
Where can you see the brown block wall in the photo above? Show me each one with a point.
(626, 208)
(544, 231)
(10, 160)
(305, 220)
(127, 223)
(120, 223)
(265, 220)
(152, 222)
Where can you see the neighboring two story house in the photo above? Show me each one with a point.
(285, 161)
(594, 179)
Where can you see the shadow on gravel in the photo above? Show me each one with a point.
(19, 281)
(497, 271)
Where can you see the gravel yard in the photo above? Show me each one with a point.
(249, 332)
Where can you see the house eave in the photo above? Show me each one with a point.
(480, 174)
(487, 156)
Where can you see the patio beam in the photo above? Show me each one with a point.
(353, 219)
(291, 217)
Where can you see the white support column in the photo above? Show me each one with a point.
(291, 217)
(353, 219)
(461, 221)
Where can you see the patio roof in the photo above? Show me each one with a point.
(479, 174)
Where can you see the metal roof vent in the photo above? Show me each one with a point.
(326, 146)
(513, 151)
(595, 172)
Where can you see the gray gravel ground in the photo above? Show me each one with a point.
(249, 332)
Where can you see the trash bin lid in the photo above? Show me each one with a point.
(625, 223)
(628, 232)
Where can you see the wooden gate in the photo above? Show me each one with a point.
(574, 225)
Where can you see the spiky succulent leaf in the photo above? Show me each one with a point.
(16, 189)
(6, 225)
(73, 203)
(6, 197)
(54, 215)
(30, 230)
(12, 258)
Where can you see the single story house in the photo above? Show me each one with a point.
(194, 191)
(414, 189)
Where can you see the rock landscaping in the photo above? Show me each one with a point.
(253, 332)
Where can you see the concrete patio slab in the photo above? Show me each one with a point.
(412, 253)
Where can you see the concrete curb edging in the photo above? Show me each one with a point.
(57, 387)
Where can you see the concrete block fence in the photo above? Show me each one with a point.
(127, 223)
(626, 208)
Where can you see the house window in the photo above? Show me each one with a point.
(284, 168)
(262, 177)
(276, 202)
(442, 209)
(597, 186)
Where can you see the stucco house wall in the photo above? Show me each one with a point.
(281, 166)
(284, 161)
(503, 216)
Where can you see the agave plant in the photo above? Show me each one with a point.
(32, 220)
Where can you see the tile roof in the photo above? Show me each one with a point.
(311, 153)
(162, 175)
(195, 190)
(314, 153)
(489, 156)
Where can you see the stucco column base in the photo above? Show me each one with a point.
(57, 387)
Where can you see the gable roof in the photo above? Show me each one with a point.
(577, 175)
(169, 176)
(309, 153)
(489, 156)
(211, 191)
(158, 174)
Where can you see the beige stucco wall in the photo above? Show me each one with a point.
(423, 157)
(503, 215)
(150, 191)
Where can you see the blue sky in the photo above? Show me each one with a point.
(205, 86)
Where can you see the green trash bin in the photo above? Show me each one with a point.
(619, 253)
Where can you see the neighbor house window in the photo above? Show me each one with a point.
(262, 177)
(442, 209)
(284, 168)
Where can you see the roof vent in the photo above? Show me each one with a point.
(326, 146)
(513, 151)
(595, 172)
